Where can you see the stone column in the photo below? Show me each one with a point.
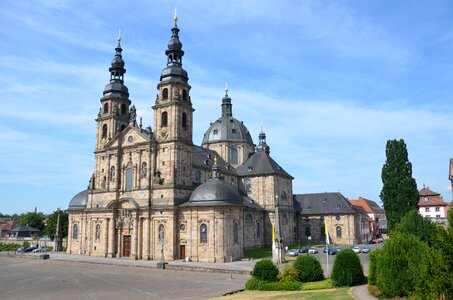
(118, 241)
(134, 245)
(111, 238)
(81, 234)
(106, 236)
(68, 248)
(146, 239)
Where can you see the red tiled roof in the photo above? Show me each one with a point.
(11, 224)
(430, 198)
(425, 191)
(368, 205)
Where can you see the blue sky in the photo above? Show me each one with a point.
(329, 81)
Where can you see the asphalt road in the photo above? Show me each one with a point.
(38, 279)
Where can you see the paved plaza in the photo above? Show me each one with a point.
(22, 278)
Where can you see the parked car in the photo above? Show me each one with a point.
(332, 251)
(41, 249)
(312, 251)
(356, 249)
(20, 250)
(30, 249)
(377, 241)
(293, 252)
(303, 250)
(366, 249)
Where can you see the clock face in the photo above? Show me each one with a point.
(163, 133)
(130, 139)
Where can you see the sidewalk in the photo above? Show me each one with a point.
(237, 267)
(361, 293)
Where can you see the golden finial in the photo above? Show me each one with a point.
(175, 18)
(226, 88)
(119, 35)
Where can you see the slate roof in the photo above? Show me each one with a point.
(260, 163)
(323, 204)
(201, 160)
(215, 192)
(25, 229)
(79, 201)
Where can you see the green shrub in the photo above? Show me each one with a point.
(289, 274)
(26, 244)
(8, 247)
(309, 268)
(373, 258)
(265, 270)
(347, 270)
(280, 286)
(317, 285)
(253, 284)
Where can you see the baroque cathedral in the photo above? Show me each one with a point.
(155, 195)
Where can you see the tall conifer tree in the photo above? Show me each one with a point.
(399, 191)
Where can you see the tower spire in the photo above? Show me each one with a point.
(227, 107)
(262, 146)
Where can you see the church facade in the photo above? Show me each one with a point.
(154, 194)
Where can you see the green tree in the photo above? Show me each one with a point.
(415, 224)
(51, 226)
(399, 191)
(32, 219)
(444, 244)
(265, 270)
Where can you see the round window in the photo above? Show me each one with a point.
(130, 139)
(338, 218)
(182, 227)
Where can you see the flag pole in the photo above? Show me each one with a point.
(327, 247)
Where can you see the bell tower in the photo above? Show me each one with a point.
(114, 111)
(173, 115)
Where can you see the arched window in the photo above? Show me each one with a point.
(165, 93)
(307, 231)
(285, 219)
(203, 233)
(161, 233)
(283, 196)
(129, 177)
(104, 182)
(104, 130)
(248, 219)
(184, 95)
(112, 173)
(144, 170)
(258, 229)
(123, 109)
(197, 176)
(235, 232)
(247, 186)
(164, 119)
(233, 155)
(75, 232)
(98, 231)
(184, 120)
(338, 232)
(106, 108)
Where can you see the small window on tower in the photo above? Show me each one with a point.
(184, 95)
(165, 93)
(106, 108)
(164, 119)
(123, 109)
(104, 130)
(184, 120)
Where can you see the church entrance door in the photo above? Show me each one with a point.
(182, 251)
(126, 245)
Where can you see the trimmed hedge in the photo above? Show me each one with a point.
(280, 286)
(347, 269)
(373, 259)
(317, 285)
(8, 247)
(253, 284)
(265, 270)
(309, 268)
(289, 274)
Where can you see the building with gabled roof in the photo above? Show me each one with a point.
(431, 205)
(378, 224)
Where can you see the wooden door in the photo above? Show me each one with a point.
(126, 245)
(182, 251)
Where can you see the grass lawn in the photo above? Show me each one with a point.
(337, 294)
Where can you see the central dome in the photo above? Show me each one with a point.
(215, 192)
(226, 128)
